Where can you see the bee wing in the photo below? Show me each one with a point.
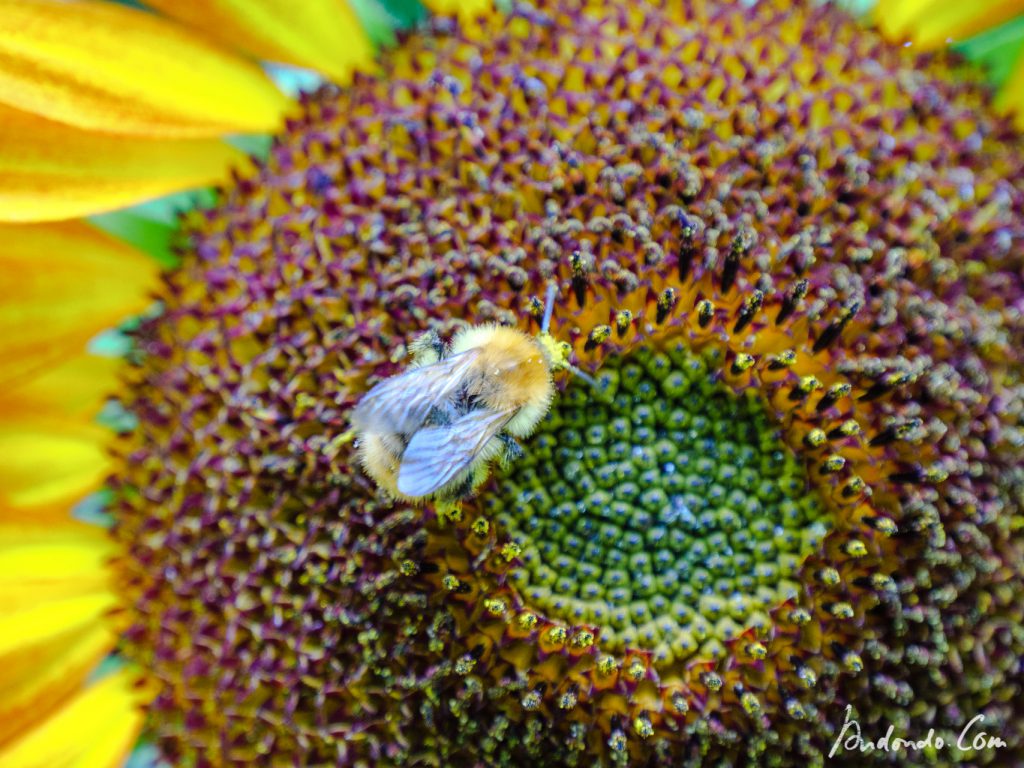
(401, 404)
(436, 455)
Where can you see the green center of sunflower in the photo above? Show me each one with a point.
(663, 509)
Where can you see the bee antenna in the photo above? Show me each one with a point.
(585, 376)
(549, 306)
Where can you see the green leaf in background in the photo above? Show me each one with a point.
(151, 226)
(857, 7)
(258, 144)
(997, 49)
(149, 235)
(93, 509)
(145, 755)
(377, 22)
(405, 13)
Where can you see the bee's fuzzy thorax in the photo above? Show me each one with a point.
(514, 373)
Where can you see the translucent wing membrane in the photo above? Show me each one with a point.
(402, 403)
(436, 455)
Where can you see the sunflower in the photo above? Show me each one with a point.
(785, 251)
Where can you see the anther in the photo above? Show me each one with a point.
(791, 302)
(705, 313)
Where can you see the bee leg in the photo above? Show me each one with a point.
(345, 437)
(513, 451)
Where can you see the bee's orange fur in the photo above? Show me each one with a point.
(510, 372)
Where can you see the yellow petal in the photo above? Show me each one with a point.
(53, 171)
(43, 566)
(54, 514)
(37, 679)
(54, 597)
(933, 23)
(104, 66)
(47, 465)
(73, 390)
(40, 623)
(95, 729)
(51, 452)
(60, 284)
(896, 17)
(324, 35)
(461, 7)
